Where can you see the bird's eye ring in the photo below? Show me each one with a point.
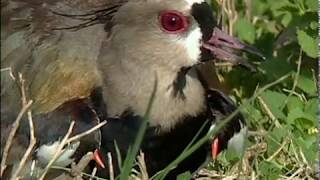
(173, 21)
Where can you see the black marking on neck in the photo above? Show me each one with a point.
(202, 13)
(180, 83)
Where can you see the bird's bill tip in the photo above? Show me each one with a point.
(225, 47)
(215, 149)
(98, 159)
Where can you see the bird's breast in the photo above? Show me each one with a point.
(167, 109)
(170, 109)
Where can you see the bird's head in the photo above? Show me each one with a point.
(172, 35)
(166, 38)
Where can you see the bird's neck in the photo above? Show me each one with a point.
(179, 94)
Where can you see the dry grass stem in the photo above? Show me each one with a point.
(5, 69)
(268, 111)
(293, 176)
(10, 72)
(76, 169)
(229, 13)
(83, 163)
(111, 171)
(94, 171)
(142, 166)
(12, 133)
(79, 136)
(284, 143)
(25, 106)
(31, 129)
(28, 152)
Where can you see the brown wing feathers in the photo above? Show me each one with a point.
(54, 44)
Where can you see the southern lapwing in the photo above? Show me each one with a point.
(164, 41)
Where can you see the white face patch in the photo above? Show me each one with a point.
(193, 41)
(193, 44)
(191, 2)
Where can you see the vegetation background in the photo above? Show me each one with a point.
(282, 119)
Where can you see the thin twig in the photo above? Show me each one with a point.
(94, 172)
(303, 157)
(257, 133)
(10, 72)
(300, 96)
(76, 169)
(25, 105)
(296, 173)
(22, 90)
(12, 133)
(111, 171)
(294, 150)
(296, 79)
(79, 136)
(278, 151)
(5, 69)
(268, 111)
(142, 166)
(31, 129)
(58, 152)
(248, 9)
(69, 171)
(28, 152)
(253, 175)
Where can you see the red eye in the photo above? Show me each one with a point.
(173, 21)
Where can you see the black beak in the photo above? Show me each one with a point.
(225, 47)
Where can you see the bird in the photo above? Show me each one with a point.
(162, 42)
(119, 50)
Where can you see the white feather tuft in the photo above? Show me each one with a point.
(46, 152)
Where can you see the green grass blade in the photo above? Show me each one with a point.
(129, 161)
